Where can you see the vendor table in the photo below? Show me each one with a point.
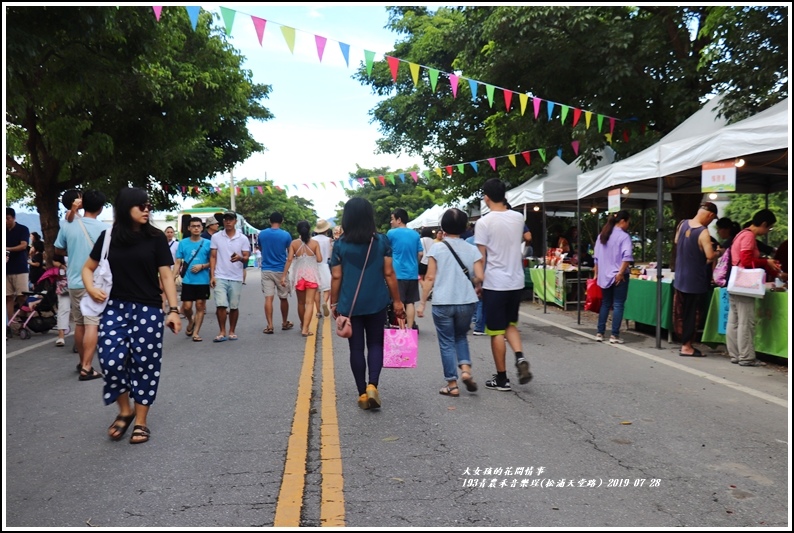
(641, 303)
(771, 326)
(561, 286)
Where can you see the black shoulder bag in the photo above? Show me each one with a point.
(184, 267)
(465, 270)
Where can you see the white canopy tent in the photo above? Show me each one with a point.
(430, 218)
(757, 139)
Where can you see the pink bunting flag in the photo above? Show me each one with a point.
(361, 181)
(536, 105)
(414, 176)
(508, 99)
(492, 161)
(611, 124)
(259, 187)
(526, 156)
(307, 186)
(394, 65)
(453, 80)
(237, 191)
(259, 26)
(157, 11)
(278, 187)
(575, 145)
(320, 42)
(576, 114)
(183, 188)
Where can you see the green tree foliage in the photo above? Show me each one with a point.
(415, 198)
(743, 207)
(256, 207)
(650, 67)
(108, 97)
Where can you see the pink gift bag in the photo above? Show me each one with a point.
(400, 348)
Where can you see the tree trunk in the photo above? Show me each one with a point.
(46, 201)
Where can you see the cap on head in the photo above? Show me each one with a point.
(229, 214)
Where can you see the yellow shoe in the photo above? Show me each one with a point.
(363, 401)
(373, 396)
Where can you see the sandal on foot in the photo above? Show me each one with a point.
(307, 334)
(196, 338)
(471, 385)
(120, 426)
(88, 375)
(268, 330)
(190, 326)
(450, 391)
(287, 325)
(232, 337)
(140, 434)
(219, 338)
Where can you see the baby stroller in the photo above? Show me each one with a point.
(39, 313)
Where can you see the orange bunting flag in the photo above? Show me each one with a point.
(492, 161)
(512, 158)
(394, 65)
(453, 80)
(157, 11)
(320, 42)
(259, 26)
(449, 169)
(508, 98)
(526, 156)
(577, 113)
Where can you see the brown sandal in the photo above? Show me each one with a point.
(140, 434)
(268, 330)
(287, 325)
(120, 426)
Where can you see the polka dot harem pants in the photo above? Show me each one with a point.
(130, 350)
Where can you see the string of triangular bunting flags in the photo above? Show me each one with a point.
(288, 32)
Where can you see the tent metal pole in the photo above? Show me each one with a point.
(659, 213)
(579, 262)
(545, 262)
(644, 223)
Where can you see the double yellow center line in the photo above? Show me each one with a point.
(290, 498)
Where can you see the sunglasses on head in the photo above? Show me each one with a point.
(145, 207)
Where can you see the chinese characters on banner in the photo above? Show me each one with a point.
(719, 177)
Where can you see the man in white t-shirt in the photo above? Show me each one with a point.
(498, 237)
(229, 252)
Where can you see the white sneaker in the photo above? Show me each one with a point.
(599, 337)
(59, 342)
(615, 340)
(478, 333)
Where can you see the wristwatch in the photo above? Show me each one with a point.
(173, 310)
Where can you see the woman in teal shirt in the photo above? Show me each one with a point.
(359, 249)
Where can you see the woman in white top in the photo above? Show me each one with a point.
(454, 298)
(427, 242)
(322, 235)
(306, 254)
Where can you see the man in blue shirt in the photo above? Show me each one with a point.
(406, 253)
(195, 252)
(274, 243)
(17, 243)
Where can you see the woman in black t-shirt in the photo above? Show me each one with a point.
(36, 262)
(130, 346)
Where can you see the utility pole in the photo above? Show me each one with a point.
(232, 190)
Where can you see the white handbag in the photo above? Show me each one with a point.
(747, 282)
(103, 279)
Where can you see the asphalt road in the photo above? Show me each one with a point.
(265, 431)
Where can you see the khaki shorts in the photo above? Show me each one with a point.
(271, 284)
(75, 295)
(16, 284)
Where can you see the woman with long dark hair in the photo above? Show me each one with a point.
(305, 252)
(131, 327)
(362, 271)
(613, 254)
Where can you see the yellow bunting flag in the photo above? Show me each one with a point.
(289, 37)
(587, 116)
(512, 158)
(414, 73)
(523, 98)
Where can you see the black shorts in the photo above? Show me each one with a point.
(422, 269)
(501, 309)
(191, 293)
(409, 290)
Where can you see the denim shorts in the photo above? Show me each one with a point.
(227, 293)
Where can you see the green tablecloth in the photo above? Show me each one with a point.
(641, 303)
(771, 326)
(553, 283)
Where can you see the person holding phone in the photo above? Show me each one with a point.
(131, 326)
(229, 252)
